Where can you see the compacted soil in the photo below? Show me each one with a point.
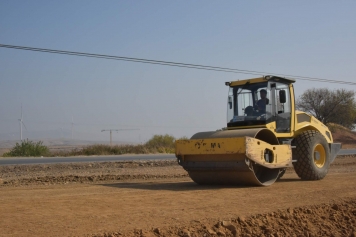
(157, 198)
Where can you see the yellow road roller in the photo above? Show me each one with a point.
(264, 136)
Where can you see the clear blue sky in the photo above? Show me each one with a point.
(307, 38)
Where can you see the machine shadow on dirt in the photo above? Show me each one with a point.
(183, 186)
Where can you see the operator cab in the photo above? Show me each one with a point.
(257, 102)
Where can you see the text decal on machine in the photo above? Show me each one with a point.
(212, 145)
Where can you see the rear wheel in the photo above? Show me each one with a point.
(312, 155)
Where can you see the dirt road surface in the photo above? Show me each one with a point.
(158, 199)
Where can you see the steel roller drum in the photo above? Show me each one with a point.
(230, 169)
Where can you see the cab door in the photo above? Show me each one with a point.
(281, 107)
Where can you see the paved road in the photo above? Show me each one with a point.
(52, 160)
(74, 159)
(347, 152)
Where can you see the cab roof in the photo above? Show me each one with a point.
(260, 79)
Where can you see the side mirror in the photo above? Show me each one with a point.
(230, 102)
(282, 96)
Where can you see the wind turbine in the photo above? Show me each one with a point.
(21, 123)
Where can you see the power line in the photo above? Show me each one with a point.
(175, 64)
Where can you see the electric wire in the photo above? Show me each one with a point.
(175, 64)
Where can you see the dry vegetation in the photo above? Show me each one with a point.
(157, 144)
(165, 144)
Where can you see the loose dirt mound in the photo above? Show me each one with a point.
(332, 219)
(343, 135)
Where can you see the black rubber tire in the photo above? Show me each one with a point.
(305, 166)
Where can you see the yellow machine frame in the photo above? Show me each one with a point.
(254, 155)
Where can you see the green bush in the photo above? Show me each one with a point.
(159, 141)
(185, 138)
(28, 148)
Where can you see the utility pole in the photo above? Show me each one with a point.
(117, 130)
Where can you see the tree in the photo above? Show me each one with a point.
(161, 141)
(330, 106)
